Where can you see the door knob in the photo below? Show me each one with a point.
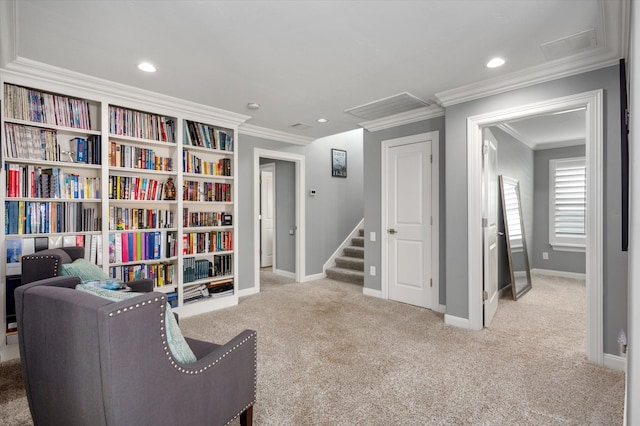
(392, 231)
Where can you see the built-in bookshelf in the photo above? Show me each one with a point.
(149, 192)
(207, 216)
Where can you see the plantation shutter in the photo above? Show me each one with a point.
(568, 202)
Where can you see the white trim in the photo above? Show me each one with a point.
(300, 173)
(615, 21)
(434, 137)
(372, 293)
(413, 116)
(313, 277)
(593, 101)
(275, 135)
(286, 274)
(347, 242)
(248, 292)
(9, 351)
(8, 32)
(441, 309)
(508, 129)
(615, 362)
(27, 72)
(457, 321)
(561, 274)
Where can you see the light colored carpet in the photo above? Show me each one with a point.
(327, 355)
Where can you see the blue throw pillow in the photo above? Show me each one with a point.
(177, 345)
(84, 269)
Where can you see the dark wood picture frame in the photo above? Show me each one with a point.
(338, 163)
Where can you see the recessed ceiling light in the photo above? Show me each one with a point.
(146, 67)
(495, 63)
(322, 120)
(253, 105)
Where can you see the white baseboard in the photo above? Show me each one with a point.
(441, 309)
(456, 321)
(371, 292)
(561, 274)
(284, 273)
(313, 277)
(615, 362)
(247, 292)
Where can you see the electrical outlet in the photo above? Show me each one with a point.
(372, 270)
(372, 236)
(545, 255)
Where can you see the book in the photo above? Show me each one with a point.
(14, 256)
(41, 243)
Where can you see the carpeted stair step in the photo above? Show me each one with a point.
(346, 275)
(357, 241)
(352, 251)
(355, 263)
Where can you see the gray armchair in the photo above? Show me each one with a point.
(89, 361)
(48, 263)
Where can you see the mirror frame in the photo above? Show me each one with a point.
(514, 291)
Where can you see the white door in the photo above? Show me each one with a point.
(408, 223)
(266, 215)
(490, 225)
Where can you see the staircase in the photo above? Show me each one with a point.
(350, 266)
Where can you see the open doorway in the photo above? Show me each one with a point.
(288, 224)
(592, 104)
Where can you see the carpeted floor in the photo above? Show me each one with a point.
(327, 355)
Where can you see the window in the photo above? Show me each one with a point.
(567, 204)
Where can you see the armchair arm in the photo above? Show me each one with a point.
(144, 382)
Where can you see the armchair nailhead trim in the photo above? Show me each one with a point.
(46, 256)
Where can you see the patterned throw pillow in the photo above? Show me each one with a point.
(177, 345)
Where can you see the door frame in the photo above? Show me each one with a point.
(300, 233)
(593, 102)
(434, 136)
(272, 168)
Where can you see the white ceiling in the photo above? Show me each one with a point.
(302, 60)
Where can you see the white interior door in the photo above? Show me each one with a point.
(490, 225)
(408, 184)
(267, 222)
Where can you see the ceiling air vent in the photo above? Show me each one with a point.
(301, 126)
(569, 45)
(395, 104)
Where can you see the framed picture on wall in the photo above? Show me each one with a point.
(338, 163)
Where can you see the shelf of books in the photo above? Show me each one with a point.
(148, 194)
(142, 152)
(51, 180)
(208, 202)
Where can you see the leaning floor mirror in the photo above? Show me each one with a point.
(517, 257)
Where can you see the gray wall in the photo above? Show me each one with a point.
(285, 213)
(615, 261)
(330, 216)
(515, 160)
(558, 260)
(373, 197)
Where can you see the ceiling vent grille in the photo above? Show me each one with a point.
(570, 45)
(301, 126)
(386, 107)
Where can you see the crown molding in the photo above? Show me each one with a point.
(23, 68)
(615, 20)
(413, 116)
(275, 135)
(8, 32)
(536, 146)
(521, 79)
